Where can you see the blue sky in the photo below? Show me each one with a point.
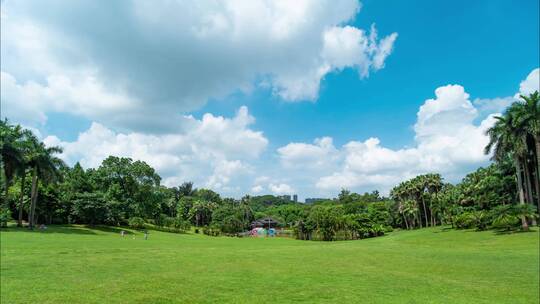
(127, 84)
(486, 46)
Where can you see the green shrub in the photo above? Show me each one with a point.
(5, 216)
(136, 222)
(482, 220)
(160, 220)
(169, 222)
(465, 220)
(507, 222)
(181, 224)
(377, 230)
(506, 217)
(211, 230)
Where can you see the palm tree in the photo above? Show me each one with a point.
(398, 194)
(246, 210)
(10, 152)
(28, 142)
(434, 185)
(527, 211)
(505, 139)
(411, 191)
(411, 210)
(186, 189)
(201, 212)
(419, 185)
(528, 118)
(45, 166)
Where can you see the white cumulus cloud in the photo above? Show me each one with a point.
(144, 63)
(281, 188)
(449, 139)
(213, 153)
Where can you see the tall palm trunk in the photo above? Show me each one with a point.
(21, 199)
(517, 163)
(527, 180)
(425, 212)
(529, 192)
(432, 218)
(537, 190)
(405, 219)
(33, 199)
(537, 169)
(537, 144)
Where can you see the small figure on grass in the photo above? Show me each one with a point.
(146, 234)
(122, 233)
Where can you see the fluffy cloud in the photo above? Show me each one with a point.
(496, 105)
(448, 140)
(531, 83)
(213, 152)
(311, 156)
(29, 102)
(168, 59)
(281, 188)
(350, 46)
(224, 153)
(257, 189)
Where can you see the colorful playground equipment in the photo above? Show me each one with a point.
(262, 232)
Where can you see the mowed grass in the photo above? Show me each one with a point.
(82, 265)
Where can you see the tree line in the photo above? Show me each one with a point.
(38, 187)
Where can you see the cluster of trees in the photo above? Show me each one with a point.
(24, 156)
(515, 138)
(39, 187)
(417, 201)
(349, 217)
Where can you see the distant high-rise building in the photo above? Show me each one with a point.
(295, 198)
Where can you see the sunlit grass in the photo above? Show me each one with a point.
(82, 265)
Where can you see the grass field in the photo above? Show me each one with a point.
(81, 265)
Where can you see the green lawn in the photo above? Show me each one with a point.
(80, 265)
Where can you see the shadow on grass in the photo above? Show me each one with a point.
(513, 231)
(69, 229)
(444, 229)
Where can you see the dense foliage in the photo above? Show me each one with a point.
(39, 187)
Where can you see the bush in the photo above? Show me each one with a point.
(506, 217)
(181, 224)
(136, 222)
(5, 216)
(231, 225)
(482, 220)
(507, 222)
(211, 231)
(377, 230)
(388, 229)
(160, 220)
(169, 222)
(465, 220)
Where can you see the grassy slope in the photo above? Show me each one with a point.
(79, 265)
